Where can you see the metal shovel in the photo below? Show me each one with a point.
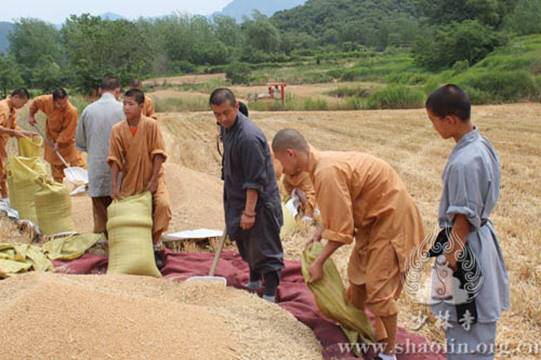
(75, 175)
(211, 277)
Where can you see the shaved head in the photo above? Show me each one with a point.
(289, 139)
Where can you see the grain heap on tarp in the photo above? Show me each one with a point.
(130, 317)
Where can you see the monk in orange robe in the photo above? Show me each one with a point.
(300, 182)
(361, 199)
(137, 151)
(302, 185)
(148, 108)
(60, 127)
(9, 128)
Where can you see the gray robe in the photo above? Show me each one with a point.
(93, 133)
(247, 164)
(471, 187)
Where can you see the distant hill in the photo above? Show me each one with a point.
(5, 29)
(366, 22)
(239, 8)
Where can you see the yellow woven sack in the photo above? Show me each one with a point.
(53, 208)
(130, 236)
(29, 147)
(331, 298)
(70, 247)
(15, 258)
(22, 174)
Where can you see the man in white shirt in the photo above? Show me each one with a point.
(93, 133)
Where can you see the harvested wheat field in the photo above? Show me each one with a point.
(52, 316)
(405, 138)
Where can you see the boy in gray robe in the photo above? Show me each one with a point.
(471, 181)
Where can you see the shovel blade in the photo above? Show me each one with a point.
(76, 175)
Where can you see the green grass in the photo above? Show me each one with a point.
(509, 74)
(396, 97)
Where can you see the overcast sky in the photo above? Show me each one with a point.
(55, 11)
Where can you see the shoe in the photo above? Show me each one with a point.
(254, 285)
(271, 299)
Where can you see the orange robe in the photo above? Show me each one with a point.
(61, 126)
(8, 120)
(302, 182)
(362, 198)
(148, 108)
(134, 156)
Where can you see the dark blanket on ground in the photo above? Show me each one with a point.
(293, 296)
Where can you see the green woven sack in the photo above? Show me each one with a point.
(130, 236)
(53, 208)
(22, 174)
(331, 298)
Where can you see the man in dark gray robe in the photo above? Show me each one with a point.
(253, 212)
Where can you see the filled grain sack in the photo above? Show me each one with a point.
(130, 236)
(53, 208)
(331, 298)
(22, 174)
(29, 147)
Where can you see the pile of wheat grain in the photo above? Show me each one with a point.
(52, 316)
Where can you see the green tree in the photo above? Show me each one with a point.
(261, 34)
(444, 12)
(32, 40)
(469, 40)
(97, 48)
(48, 75)
(525, 18)
(228, 31)
(238, 73)
(10, 75)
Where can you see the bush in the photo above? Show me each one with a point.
(343, 91)
(238, 73)
(315, 104)
(396, 97)
(355, 103)
(469, 40)
(504, 86)
(183, 66)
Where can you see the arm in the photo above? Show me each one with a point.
(17, 132)
(34, 108)
(247, 220)
(337, 216)
(114, 183)
(157, 162)
(80, 135)
(67, 134)
(114, 160)
(253, 165)
(465, 202)
(459, 237)
(316, 269)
